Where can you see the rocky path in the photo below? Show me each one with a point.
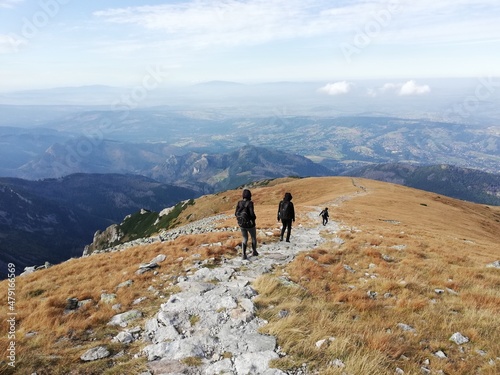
(213, 317)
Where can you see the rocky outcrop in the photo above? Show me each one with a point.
(103, 239)
(207, 225)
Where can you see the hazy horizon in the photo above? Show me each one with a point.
(62, 43)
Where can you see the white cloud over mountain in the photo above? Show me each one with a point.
(412, 88)
(337, 88)
(407, 88)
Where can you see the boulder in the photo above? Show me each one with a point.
(95, 354)
(124, 318)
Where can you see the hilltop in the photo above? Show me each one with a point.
(461, 183)
(381, 289)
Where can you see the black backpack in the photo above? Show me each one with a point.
(243, 216)
(286, 210)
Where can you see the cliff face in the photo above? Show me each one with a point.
(142, 227)
(104, 239)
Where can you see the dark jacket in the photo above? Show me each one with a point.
(287, 198)
(241, 204)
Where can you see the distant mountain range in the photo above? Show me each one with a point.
(52, 220)
(204, 172)
(217, 172)
(94, 140)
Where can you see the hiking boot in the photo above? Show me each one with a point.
(254, 252)
(244, 252)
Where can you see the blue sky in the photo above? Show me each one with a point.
(54, 43)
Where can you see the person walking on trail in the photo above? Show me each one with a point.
(324, 215)
(245, 215)
(286, 213)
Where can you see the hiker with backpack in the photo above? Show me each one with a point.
(324, 215)
(245, 215)
(286, 213)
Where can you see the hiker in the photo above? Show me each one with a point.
(286, 213)
(246, 220)
(324, 215)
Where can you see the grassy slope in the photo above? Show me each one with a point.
(448, 243)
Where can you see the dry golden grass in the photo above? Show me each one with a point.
(62, 338)
(447, 244)
(398, 240)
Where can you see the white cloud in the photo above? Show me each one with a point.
(230, 22)
(412, 88)
(390, 87)
(337, 88)
(206, 23)
(9, 3)
(10, 44)
(402, 89)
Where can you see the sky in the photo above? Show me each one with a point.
(67, 43)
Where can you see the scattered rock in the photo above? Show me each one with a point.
(108, 297)
(406, 327)
(84, 302)
(459, 339)
(71, 303)
(349, 268)
(337, 363)
(320, 343)
(139, 300)
(124, 337)
(495, 264)
(398, 247)
(371, 294)
(95, 354)
(124, 318)
(159, 258)
(28, 270)
(440, 354)
(145, 267)
(283, 314)
(213, 315)
(125, 284)
(30, 334)
(387, 258)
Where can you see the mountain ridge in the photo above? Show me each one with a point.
(456, 182)
(397, 265)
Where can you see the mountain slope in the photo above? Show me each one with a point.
(51, 220)
(461, 183)
(398, 272)
(226, 171)
(206, 172)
